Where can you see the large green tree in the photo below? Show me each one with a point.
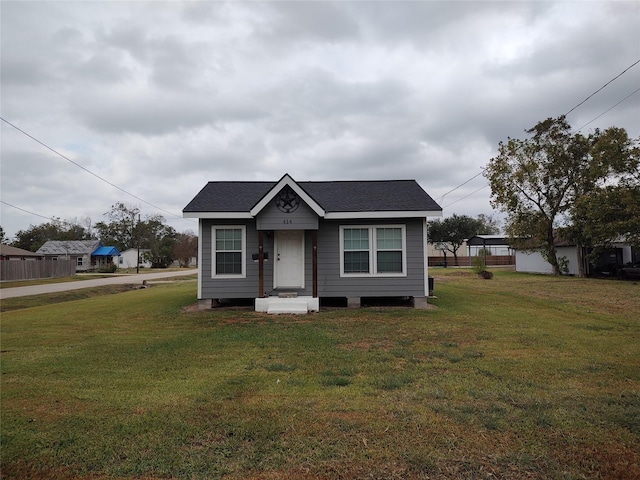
(450, 233)
(538, 181)
(607, 215)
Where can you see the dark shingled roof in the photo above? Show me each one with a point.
(338, 196)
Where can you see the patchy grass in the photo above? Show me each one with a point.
(46, 281)
(517, 377)
(29, 301)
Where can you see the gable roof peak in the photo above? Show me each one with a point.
(287, 181)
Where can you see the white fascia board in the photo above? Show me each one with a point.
(389, 214)
(287, 181)
(214, 215)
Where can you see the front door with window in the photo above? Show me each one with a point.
(289, 261)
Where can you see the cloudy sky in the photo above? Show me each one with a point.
(155, 99)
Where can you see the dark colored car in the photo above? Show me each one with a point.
(630, 271)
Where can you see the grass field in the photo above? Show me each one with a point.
(519, 377)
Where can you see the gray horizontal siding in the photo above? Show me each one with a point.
(330, 284)
(234, 287)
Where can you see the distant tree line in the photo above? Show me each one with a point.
(124, 228)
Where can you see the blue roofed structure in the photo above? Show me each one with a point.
(106, 252)
(87, 254)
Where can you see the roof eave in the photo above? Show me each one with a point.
(217, 215)
(383, 214)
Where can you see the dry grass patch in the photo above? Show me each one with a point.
(508, 378)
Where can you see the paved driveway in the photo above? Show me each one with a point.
(95, 282)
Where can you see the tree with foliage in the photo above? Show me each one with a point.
(489, 225)
(35, 236)
(607, 215)
(126, 229)
(450, 233)
(186, 248)
(3, 239)
(159, 239)
(119, 232)
(537, 181)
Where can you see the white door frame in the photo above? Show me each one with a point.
(277, 259)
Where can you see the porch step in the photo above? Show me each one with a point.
(299, 305)
(288, 305)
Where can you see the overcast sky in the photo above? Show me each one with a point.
(159, 98)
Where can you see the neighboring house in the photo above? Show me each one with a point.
(193, 262)
(103, 256)
(311, 240)
(87, 254)
(608, 263)
(129, 258)
(534, 262)
(7, 252)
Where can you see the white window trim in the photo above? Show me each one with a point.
(214, 274)
(373, 258)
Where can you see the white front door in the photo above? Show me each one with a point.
(289, 261)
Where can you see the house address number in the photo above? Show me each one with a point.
(287, 221)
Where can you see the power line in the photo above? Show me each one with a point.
(472, 193)
(86, 169)
(582, 102)
(462, 184)
(602, 87)
(31, 213)
(608, 109)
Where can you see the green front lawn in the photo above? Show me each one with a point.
(518, 377)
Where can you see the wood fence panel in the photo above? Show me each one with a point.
(492, 261)
(12, 270)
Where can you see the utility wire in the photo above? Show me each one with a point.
(454, 189)
(86, 169)
(608, 109)
(602, 87)
(576, 130)
(466, 196)
(32, 213)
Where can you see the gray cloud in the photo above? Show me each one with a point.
(160, 98)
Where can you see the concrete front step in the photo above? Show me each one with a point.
(296, 306)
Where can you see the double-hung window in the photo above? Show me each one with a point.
(356, 250)
(373, 250)
(228, 251)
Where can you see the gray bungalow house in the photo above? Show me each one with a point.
(87, 254)
(287, 244)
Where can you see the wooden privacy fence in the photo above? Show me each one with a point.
(492, 261)
(33, 269)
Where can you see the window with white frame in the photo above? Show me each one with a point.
(228, 251)
(373, 250)
(79, 261)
